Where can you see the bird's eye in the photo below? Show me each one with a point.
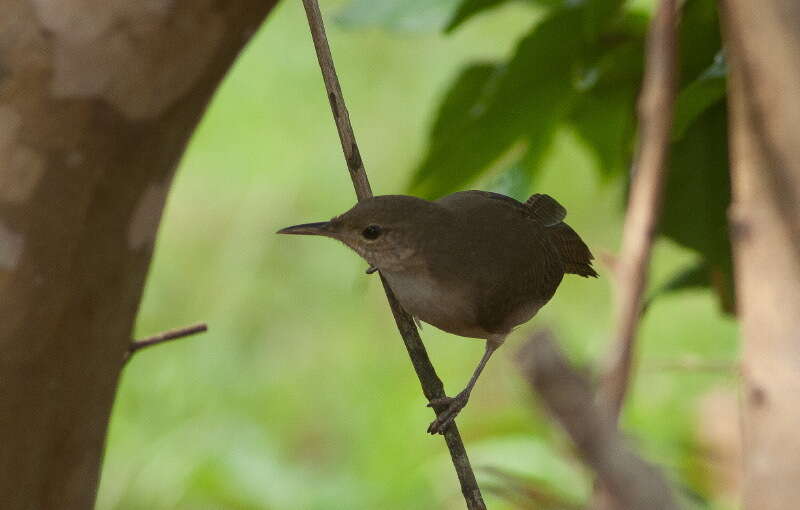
(371, 232)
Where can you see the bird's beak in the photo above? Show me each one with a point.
(321, 228)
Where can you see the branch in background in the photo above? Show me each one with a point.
(644, 205)
(631, 483)
(167, 336)
(432, 386)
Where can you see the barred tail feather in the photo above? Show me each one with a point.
(574, 253)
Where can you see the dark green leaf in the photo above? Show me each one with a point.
(469, 8)
(604, 116)
(700, 39)
(694, 276)
(516, 181)
(698, 187)
(604, 120)
(404, 16)
(704, 92)
(527, 99)
(697, 196)
(596, 15)
(466, 99)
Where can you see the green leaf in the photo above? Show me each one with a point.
(596, 15)
(527, 100)
(517, 179)
(694, 276)
(469, 8)
(397, 15)
(697, 276)
(697, 196)
(604, 117)
(698, 187)
(699, 38)
(707, 90)
(604, 120)
(467, 97)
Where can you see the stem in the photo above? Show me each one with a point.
(644, 205)
(432, 386)
(166, 336)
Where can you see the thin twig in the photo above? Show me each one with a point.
(432, 386)
(644, 205)
(163, 337)
(631, 483)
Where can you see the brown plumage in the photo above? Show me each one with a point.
(473, 263)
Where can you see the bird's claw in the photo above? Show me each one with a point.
(450, 406)
(371, 269)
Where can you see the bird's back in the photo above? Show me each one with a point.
(528, 249)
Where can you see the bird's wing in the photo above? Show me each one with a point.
(540, 207)
(546, 209)
(470, 195)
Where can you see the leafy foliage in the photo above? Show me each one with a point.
(469, 8)
(521, 103)
(580, 68)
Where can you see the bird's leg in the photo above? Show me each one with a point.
(453, 405)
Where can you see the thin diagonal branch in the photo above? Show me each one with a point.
(630, 482)
(432, 386)
(644, 205)
(166, 336)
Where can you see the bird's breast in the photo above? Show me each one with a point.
(446, 307)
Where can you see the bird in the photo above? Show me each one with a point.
(474, 263)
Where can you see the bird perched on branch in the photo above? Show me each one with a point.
(473, 263)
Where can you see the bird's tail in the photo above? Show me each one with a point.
(574, 253)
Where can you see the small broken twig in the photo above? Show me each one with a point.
(646, 193)
(166, 336)
(629, 481)
(432, 386)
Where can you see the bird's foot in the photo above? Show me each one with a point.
(450, 407)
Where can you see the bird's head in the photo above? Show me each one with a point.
(383, 230)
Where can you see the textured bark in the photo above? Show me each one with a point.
(764, 45)
(97, 101)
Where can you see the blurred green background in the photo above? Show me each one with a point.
(301, 395)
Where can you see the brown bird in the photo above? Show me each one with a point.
(474, 263)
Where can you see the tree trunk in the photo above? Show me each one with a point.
(97, 101)
(763, 39)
